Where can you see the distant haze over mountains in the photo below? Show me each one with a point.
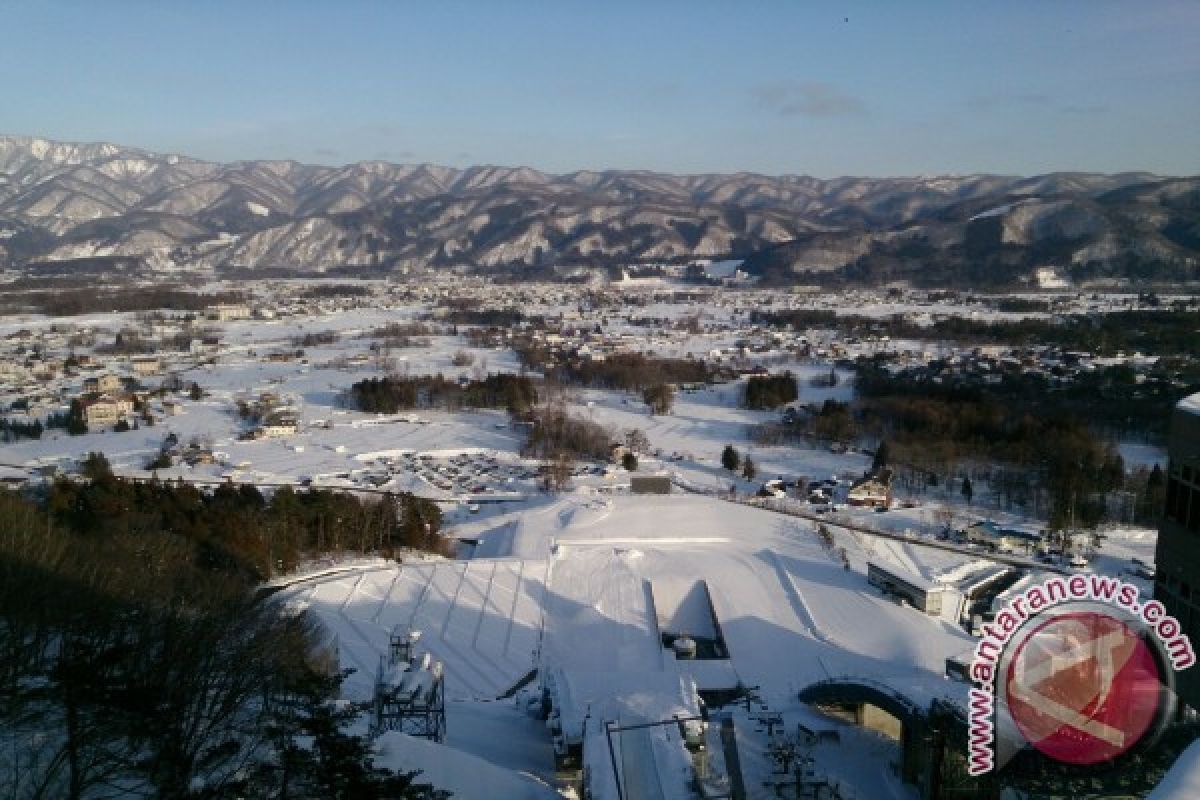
(67, 207)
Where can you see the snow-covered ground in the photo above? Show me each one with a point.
(583, 584)
(480, 618)
(580, 599)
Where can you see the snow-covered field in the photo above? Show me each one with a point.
(579, 598)
(585, 583)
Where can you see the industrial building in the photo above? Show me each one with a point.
(935, 599)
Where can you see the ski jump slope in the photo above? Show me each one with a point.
(480, 618)
(791, 614)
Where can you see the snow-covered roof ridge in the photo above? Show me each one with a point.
(1190, 404)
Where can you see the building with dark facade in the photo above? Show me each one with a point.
(1177, 559)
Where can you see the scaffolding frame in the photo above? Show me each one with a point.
(416, 713)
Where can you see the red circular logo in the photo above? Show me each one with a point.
(1083, 687)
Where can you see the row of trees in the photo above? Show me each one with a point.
(930, 436)
(731, 459)
(12, 430)
(234, 528)
(72, 300)
(72, 420)
(387, 395)
(1115, 399)
(627, 371)
(1169, 332)
(488, 317)
(770, 391)
(555, 432)
(399, 335)
(316, 339)
(132, 664)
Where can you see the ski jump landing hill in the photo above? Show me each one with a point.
(589, 585)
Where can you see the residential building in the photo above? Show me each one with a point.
(226, 312)
(107, 382)
(106, 410)
(279, 425)
(873, 491)
(205, 345)
(146, 365)
(1177, 558)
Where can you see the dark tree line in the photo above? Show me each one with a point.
(235, 528)
(399, 334)
(770, 391)
(72, 301)
(1057, 454)
(1168, 332)
(315, 339)
(555, 433)
(515, 393)
(14, 430)
(1044, 458)
(71, 420)
(132, 665)
(627, 371)
(129, 341)
(490, 317)
(1112, 398)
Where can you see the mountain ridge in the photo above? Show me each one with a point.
(62, 201)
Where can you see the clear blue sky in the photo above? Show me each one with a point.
(895, 87)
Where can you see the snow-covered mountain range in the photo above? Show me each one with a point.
(64, 204)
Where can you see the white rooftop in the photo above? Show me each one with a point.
(1190, 404)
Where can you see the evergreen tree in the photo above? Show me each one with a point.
(76, 424)
(749, 469)
(332, 763)
(770, 391)
(1155, 480)
(95, 467)
(730, 458)
(882, 454)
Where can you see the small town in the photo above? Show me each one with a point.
(620, 401)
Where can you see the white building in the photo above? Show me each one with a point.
(106, 410)
(226, 312)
